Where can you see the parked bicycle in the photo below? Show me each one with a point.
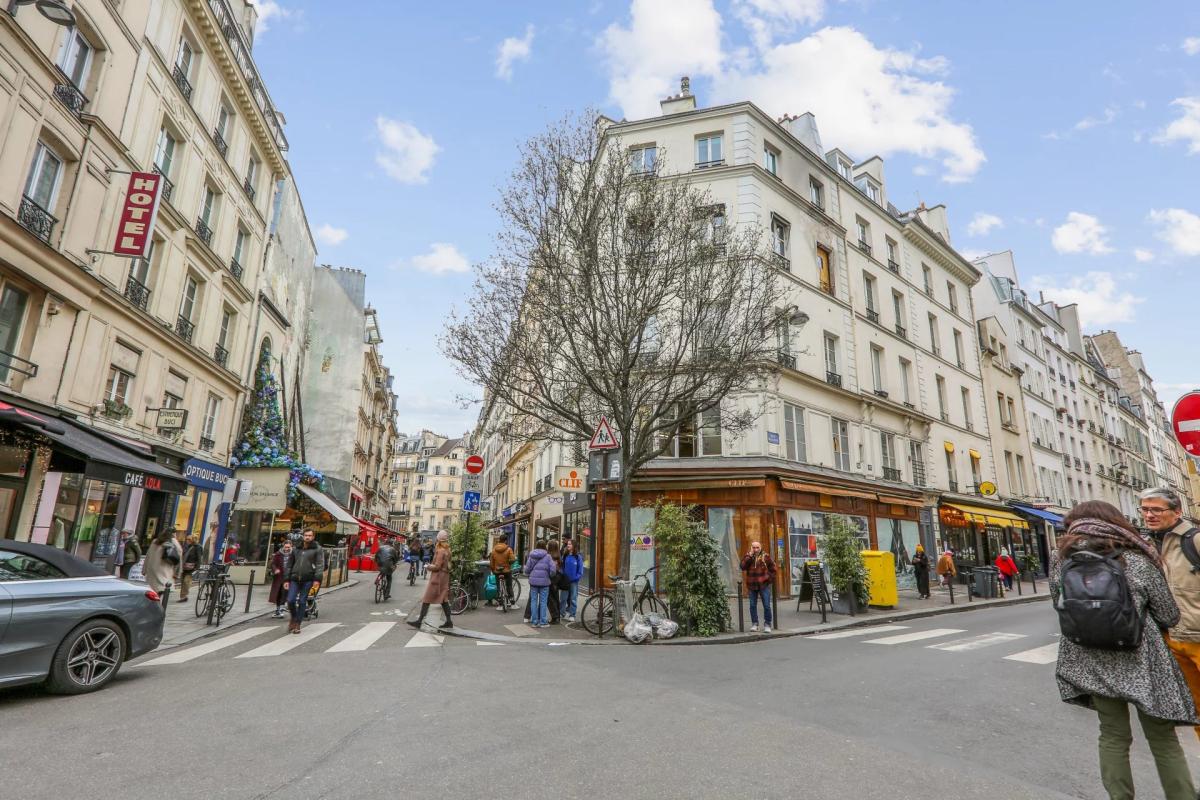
(216, 591)
(599, 612)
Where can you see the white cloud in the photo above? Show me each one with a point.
(1143, 255)
(1109, 115)
(407, 154)
(1191, 45)
(1081, 233)
(768, 19)
(1178, 228)
(441, 259)
(1186, 128)
(1168, 393)
(512, 50)
(1100, 301)
(268, 12)
(982, 223)
(327, 234)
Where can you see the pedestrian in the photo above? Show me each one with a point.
(759, 569)
(945, 567)
(129, 552)
(540, 568)
(1162, 511)
(501, 561)
(191, 560)
(303, 572)
(278, 593)
(1109, 680)
(161, 560)
(427, 553)
(920, 565)
(1008, 567)
(438, 588)
(572, 571)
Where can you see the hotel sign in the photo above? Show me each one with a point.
(136, 221)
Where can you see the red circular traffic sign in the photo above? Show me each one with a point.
(1185, 419)
(474, 465)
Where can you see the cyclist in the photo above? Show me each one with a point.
(385, 561)
(501, 562)
(426, 558)
(413, 557)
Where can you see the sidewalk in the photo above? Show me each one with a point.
(489, 624)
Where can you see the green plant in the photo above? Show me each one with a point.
(467, 540)
(689, 569)
(1030, 563)
(843, 557)
(116, 409)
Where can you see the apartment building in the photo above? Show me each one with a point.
(1007, 418)
(404, 470)
(440, 494)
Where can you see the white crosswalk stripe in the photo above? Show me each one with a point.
(1047, 654)
(422, 639)
(362, 638)
(185, 654)
(867, 631)
(290, 641)
(489, 644)
(976, 642)
(916, 636)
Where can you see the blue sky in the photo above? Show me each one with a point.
(1068, 132)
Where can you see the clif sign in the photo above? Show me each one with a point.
(137, 215)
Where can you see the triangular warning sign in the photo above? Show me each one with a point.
(603, 438)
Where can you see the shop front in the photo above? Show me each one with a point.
(1044, 528)
(198, 511)
(578, 524)
(977, 533)
(515, 521)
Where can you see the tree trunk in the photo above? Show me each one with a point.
(626, 521)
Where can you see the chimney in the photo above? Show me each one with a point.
(804, 129)
(680, 103)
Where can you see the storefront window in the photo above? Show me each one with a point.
(14, 462)
(903, 536)
(201, 516)
(100, 504)
(183, 509)
(806, 529)
(720, 527)
(641, 544)
(66, 509)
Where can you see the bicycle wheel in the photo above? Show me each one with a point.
(227, 596)
(379, 589)
(458, 599)
(516, 593)
(412, 576)
(651, 605)
(202, 599)
(599, 614)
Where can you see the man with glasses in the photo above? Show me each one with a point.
(1162, 511)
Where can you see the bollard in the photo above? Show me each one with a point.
(166, 596)
(1020, 591)
(249, 591)
(950, 583)
(775, 606)
(741, 610)
(1033, 580)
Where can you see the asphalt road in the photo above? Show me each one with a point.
(368, 709)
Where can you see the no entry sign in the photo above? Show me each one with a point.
(1185, 419)
(474, 465)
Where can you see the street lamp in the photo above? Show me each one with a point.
(54, 10)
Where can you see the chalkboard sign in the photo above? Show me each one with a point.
(814, 588)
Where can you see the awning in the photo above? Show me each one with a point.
(101, 457)
(369, 527)
(989, 516)
(1049, 516)
(797, 486)
(901, 501)
(326, 502)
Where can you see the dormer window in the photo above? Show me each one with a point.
(845, 169)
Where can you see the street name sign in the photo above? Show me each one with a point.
(1185, 420)
(603, 438)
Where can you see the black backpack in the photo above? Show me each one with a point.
(1187, 545)
(1096, 607)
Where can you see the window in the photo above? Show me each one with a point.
(642, 159)
(208, 209)
(212, 410)
(877, 367)
(224, 121)
(185, 57)
(23, 567)
(816, 193)
(76, 58)
(1000, 404)
(172, 400)
(1003, 356)
(164, 151)
(840, 430)
(710, 432)
(927, 275)
(906, 380)
(864, 232)
(966, 406)
(771, 160)
(225, 335)
(698, 436)
(976, 475)
(887, 449)
(1008, 469)
(952, 294)
(958, 348)
(708, 150)
(12, 318)
(779, 237)
(239, 245)
(825, 269)
(934, 344)
(951, 471)
(793, 432)
(191, 294)
(44, 175)
(831, 356)
(869, 296)
(893, 255)
(1012, 411)
(845, 169)
(898, 311)
(941, 396)
(252, 171)
(918, 462)
(119, 383)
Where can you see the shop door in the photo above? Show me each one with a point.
(10, 500)
(758, 525)
(721, 528)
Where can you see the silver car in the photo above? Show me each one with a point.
(68, 623)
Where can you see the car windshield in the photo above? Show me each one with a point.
(22, 567)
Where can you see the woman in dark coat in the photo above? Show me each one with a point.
(920, 565)
(438, 588)
(1148, 677)
(278, 594)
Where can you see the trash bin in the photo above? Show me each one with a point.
(986, 582)
(483, 568)
(881, 576)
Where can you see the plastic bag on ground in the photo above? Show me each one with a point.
(666, 628)
(637, 630)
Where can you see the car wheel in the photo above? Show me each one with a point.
(88, 658)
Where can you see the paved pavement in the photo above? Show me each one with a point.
(362, 706)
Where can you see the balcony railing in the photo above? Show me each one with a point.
(866, 248)
(780, 261)
(220, 355)
(70, 96)
(901, 331)
(918, 475)
(219, 141)
(181, 80)
(833, 379)
(137, 293)
(10, 362)
(249, 190)
(952, 485)
(207, 444)
(185, 328)
(204, 232)
(720, 162)
(881, 393)
(827, 287)
(893, 266)
(36, 219)
(167, 186)
(785, 359)
(891, 474)
(236, 269)
(872, 316)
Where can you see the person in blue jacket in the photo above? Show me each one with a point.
(572, 571)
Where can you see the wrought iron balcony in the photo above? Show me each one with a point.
(881, 393)
(14, 363)
(866, 248)
(918, 475)
(236, 269)
(893, 266)
(35, 219)
(891, 474)
(167, 185)
(720, 162)
(181, 80)
(833, 379)
(901, 331)
(781, 261)
(827, 287)
(204, 232)
(785, 359)
(952, 485)
(70, 96)
(137, 293)
(249, 190)
(219, 141)
(207, 444)
(185, 328)
(873, 315)
(220, 355)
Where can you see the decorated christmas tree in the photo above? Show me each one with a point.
(264, 442)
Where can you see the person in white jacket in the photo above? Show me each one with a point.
(162, 559)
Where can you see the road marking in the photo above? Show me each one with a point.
(916, 636)
(976, 642)
(422, 639)
(187, 654)
(290, 641)
(363, 638)
(489, 644)
(859, 632)
(1038, 655)
(521, 629)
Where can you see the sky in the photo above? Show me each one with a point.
(1068, 132)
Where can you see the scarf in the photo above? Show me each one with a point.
(1092, 528)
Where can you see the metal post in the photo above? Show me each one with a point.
(249, 591)
(166, 597)
(741, 610)
(950, 583)
(213, 598)
(1020, 591)
(775, 606)
(1033, 580)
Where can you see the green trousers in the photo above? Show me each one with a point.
(1116, 736)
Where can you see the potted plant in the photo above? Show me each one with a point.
(116, 409)
(847, 572)
(689, 570)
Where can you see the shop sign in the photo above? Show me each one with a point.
(568, 479)
(136, 220)
(135, 478)
(642, 541)
(268, 491)
(171, 419)
(952, 517)
(204, 474)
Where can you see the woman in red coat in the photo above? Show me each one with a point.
(438, 588)
(1008, 567)
(278, 594)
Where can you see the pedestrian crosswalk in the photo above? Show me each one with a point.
(950, 642)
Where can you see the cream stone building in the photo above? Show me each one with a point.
(440, 494)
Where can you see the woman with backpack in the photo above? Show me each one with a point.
(1112, 653)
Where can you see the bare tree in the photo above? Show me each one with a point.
(616, 289)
